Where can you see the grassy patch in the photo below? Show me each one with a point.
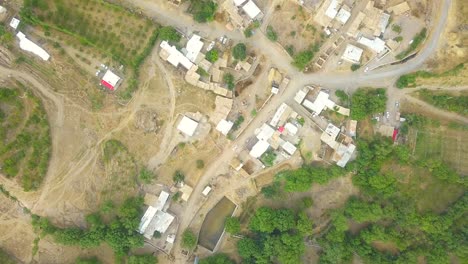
(417, 40)
(25, 136)
(409, 80)
(5, 258)
(446, 101)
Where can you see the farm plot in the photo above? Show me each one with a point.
(294, 28)
(25, 137)
(111, 30)
(450, 146)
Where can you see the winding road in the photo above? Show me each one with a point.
(383, 77)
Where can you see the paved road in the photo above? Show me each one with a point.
(349, 81)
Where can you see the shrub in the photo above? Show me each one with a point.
(355, 67)
(232, 225)
(178, 176)
(271, 34)
(212, 55)
(203, 10)
(170, 34)
(146, 176)
(239, 52)
(396, 28)
(229, 80)
(200, 164)
(189, 240)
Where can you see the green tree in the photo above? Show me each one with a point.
(218, 258)
(302, 59)
(304, 224)
(170, 34)
(272, 191)
(229, 80)
(142, 259)
(271, 34)
(146, 176)
(232, 225)
(239, 52)
(189, 239)
(212, 55)
(200, 164)
(366, 102)
(178, 176)
(355, 67)
(203, 10)
(361, 211)
(92, 260)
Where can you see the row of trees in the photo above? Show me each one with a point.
(119, 233)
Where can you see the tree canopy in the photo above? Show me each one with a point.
(232, 225)
(169, 33)
(239, 52)
(366, 102)
(219, 258)
(212, 55)
(203, 10)
(189, 239)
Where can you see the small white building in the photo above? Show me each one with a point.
(251, 9)
(28, 45)
(224, 126)
(193, 48)
(155, 219)
(289, 147)
(187, 126)
(259, 148)
(291, 129)
(265, 132)
(301, 95)
(110, 80)
(332, 9)
(343, 15)
(377, 45)
(352, 54)
(14, 23)
(207, 190)
(172, 55)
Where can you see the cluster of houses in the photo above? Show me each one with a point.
(365, 26)
(241, 13)
(338, 140)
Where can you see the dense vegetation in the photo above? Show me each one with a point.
(366, 102)
(169, 34)
(189, 239)
(5, 258)
(229, 81)
(127, 43)
(203, 10)
(417, 40)
(409, 80)
(302, 59)
(219, 258)
(239, 52)
(212, 55)
(119, 233)
(446, 101)
(276, 235)
(25, 147)
(271, 34)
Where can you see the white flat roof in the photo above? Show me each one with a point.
(320, 103)
(162, 199)
(300, 95)
(251, 9)
(332, 9)
(28, 45)
(111, 78)
(265, 132)
(206, 191)
(376, 44)
(224, 126)
(187, 126)
(332, 130)
(160, 222)
(14, 22)
(194, 46)
(259, 148)
(146, 219)
(292, 129)
(345, 153)
(384, 19)
(239, 2)
(289, 147)
(343, 15)
(175, 56)
(279, 112)
(352, 54)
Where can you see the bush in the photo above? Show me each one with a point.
(398, 39)
(142, 259)
(302, 59)
(189, 240)
(212, 55)
(178, 176)
(272, 191)
(268, 158)
(170, 34)
(239, 52)
(396, 28)
(271, 34)
(343, 96)
(355, 67)
(229, 80)
(232, 225)
(200, 164)
(146, 176)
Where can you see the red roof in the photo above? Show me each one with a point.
(281, 129)
(107, 85)
(395, 133)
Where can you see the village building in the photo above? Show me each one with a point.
(224, 126)
(193, 48)
(329, 136)
(187, 126)
(323, 102)
(172, 55)
(259, 148)
(155, 217)
(110, 80)
(399, 9)
(377, 45)
(186, 192)
(352, 54)
(14, 23)
(251, 9)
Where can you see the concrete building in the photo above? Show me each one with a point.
(187, 126)
(289, 147)
(172, 55)
(265, 132)
(14, 23)
(344, 14)
(259, 148)
(224, 126)
(352, 54)
(399, 9)
(155, 219)
(251, 9)
(193, 47)
(377, 45)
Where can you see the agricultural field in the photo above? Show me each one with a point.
(449, 145)
(25, 134)
(113, 32)
(299, 34)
